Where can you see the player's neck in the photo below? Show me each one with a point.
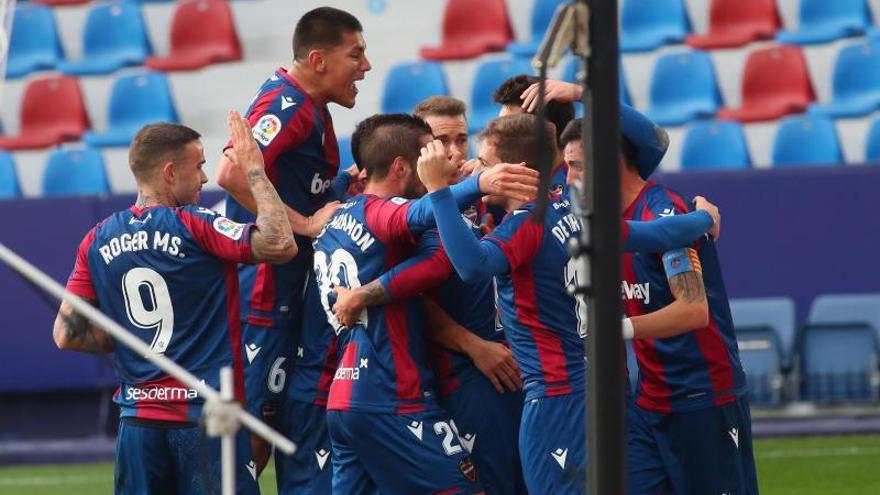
(631, 184)
(383, 188)
(308, 82)
(148, 197)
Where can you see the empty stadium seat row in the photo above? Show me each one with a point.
(115, 36)
(831, 358)
(135, 99)
(77, 171)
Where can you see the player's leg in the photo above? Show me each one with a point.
(143, 461)
(349, 473)
(198, 461)
(645, 470)
(267, 364)
(552, 446)
(488, 426)
(309, 469)
(411, 453)
(703, 450)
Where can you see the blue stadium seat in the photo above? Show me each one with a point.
(490, 74)
(872, 142)
(714, 145)
(75, 171)
(821, 21)
(409, 83)
(806, 140)
(114, 37)
(345, 157)
(683, 88)
(135, 100)
(839, 362)
(856, 83)
(775, 313)
(761, 357)
(35, 44)
(542, 14)
(8, 177)
(649, 24)
(847, 308)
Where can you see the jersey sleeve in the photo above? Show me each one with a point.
(472, 259)
(518, 237)
(279, 121)
(666, 232)
(218, 235)
(339, 187)
(425, 270)
(80, 280)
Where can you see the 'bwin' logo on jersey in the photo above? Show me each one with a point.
(638, 291)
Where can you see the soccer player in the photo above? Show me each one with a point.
(165, 270)
(291, 123)
(689, 422)
(446, 117)
(382, 413)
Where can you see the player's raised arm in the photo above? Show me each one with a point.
(689, 311)
(272, 241)
(665, 233)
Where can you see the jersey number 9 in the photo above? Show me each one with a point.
(151, 313)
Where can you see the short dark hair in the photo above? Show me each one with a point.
(446, 106)
(574, 131)
(514, 139)
(558, 112)
(155, 144)
(379, 139)
(322, 28)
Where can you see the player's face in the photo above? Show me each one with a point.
(510, 110)
(489, 158)
(413, 187)
(452, 132)
(574, 158)
(188, 175)
(346, 63)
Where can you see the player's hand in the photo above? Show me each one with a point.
(348, 306)
(488, 224)
(553, 90)
(358, 181)
(515, 181)
(317, 221)
(244, 152)
(703, 204)
(496, 362)
(434, 167)
(470, 168)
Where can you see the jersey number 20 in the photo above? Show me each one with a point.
(153, 312)
(340, 271)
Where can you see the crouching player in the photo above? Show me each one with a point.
(165, 269)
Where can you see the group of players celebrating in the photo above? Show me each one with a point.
(381, 320)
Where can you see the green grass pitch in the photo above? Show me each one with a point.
(801, 466)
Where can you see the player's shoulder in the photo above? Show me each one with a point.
(664, 201)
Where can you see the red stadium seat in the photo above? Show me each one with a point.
(52, 111)
(470, 29)
(202, 33)
(775, 83)
(734, 23)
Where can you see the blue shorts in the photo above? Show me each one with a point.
(399, 454)
(309, 469)
(704, 451)
(552, 444)
(155, 460)
(268, 359)
(488, 426)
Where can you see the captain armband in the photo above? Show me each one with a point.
(681, 260)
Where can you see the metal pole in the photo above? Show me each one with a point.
(227, 442)
(605, 392)
(124, 337)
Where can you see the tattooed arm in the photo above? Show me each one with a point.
(73, 332)
(272, 240)
(689, 311)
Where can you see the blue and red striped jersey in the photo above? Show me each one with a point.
(694, 370)
(316, 352)
(302, 158)
(540, 317)
(383, 365)
(168, 275)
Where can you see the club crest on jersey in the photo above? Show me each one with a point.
(556, 189)
(266, 129)
(467, 469)
(227, 227)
